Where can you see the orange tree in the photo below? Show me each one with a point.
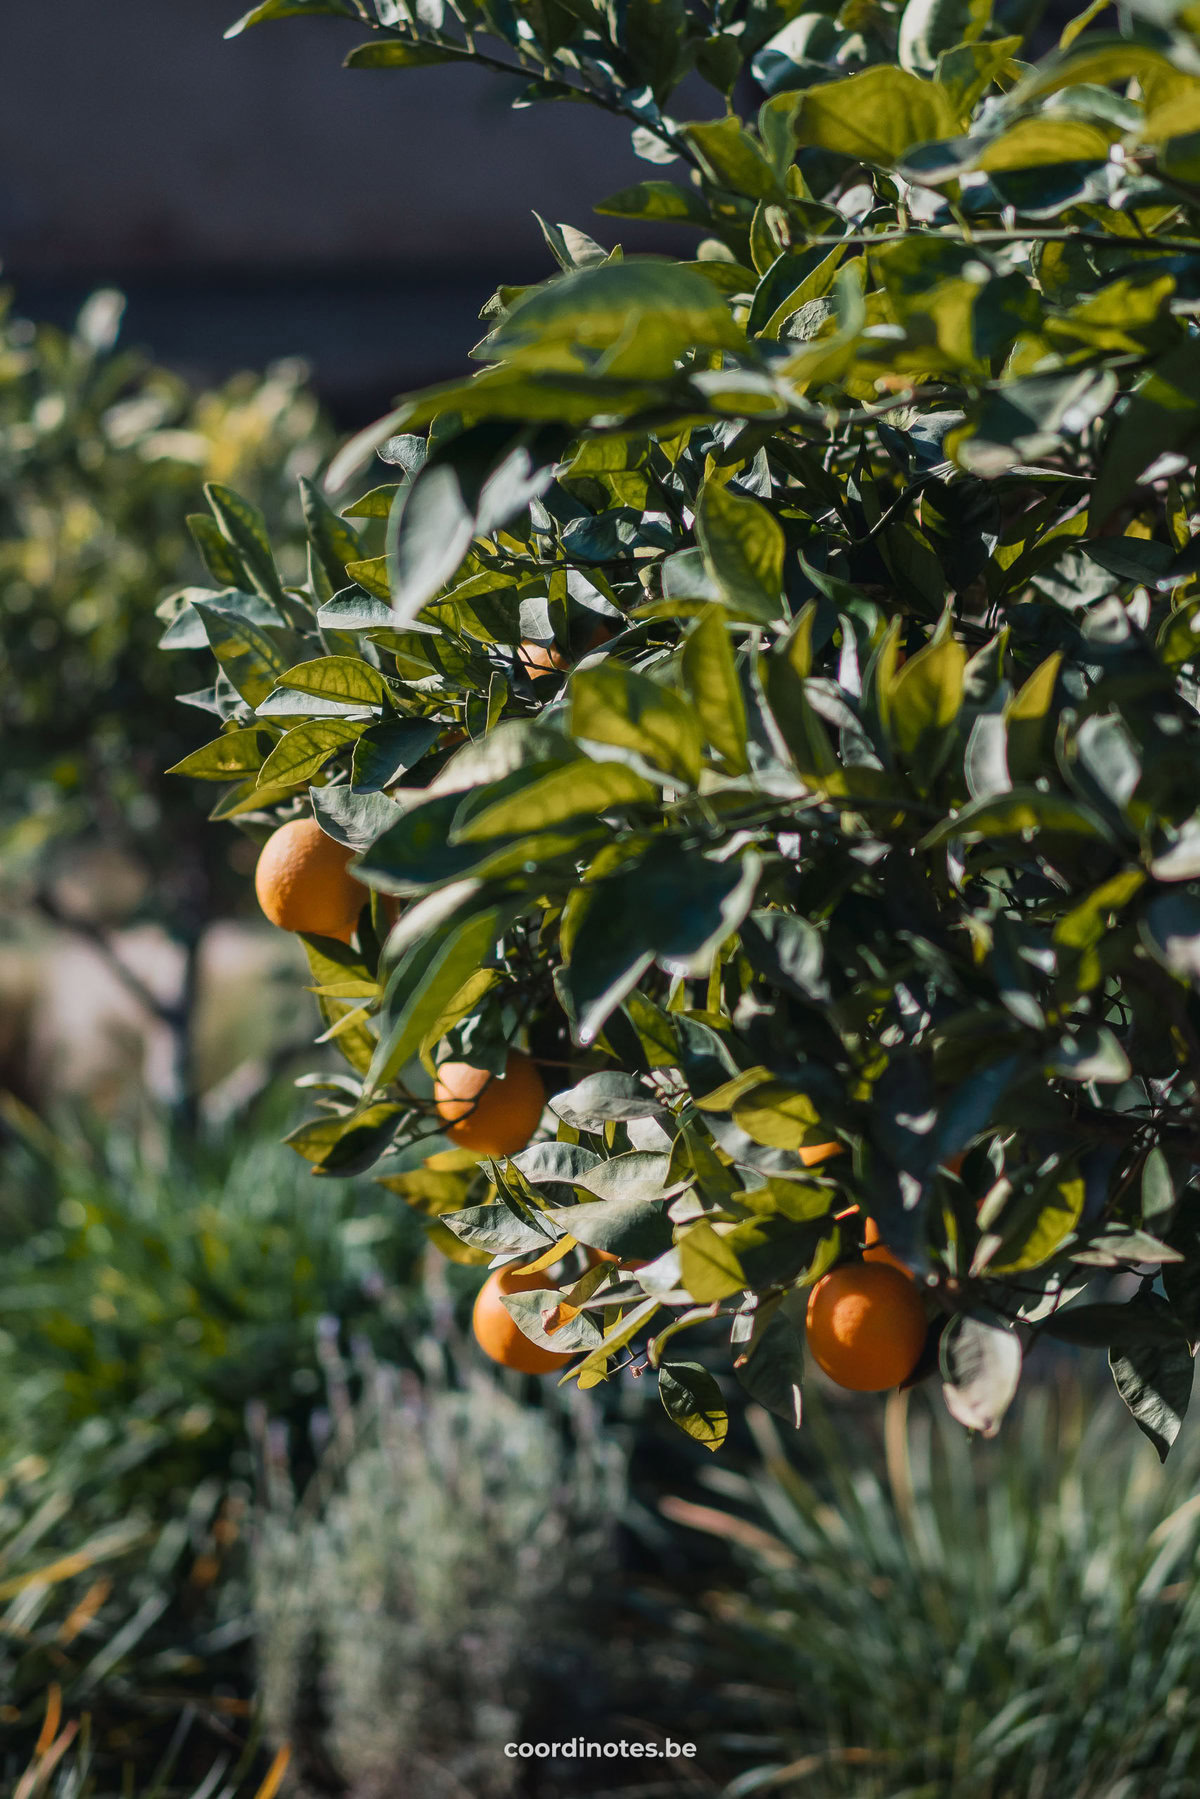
(766, 694)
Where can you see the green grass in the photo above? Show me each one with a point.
(959, 1620)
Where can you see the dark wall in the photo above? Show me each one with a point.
(257, 200)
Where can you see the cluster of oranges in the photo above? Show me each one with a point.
(866, 1320)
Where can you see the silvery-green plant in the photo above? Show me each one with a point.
(414, 1590)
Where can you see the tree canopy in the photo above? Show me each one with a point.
(770, 687)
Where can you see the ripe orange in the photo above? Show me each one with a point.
(866, 1326)
(303, 883)
(496, 1332)
(495, 1115)
(596, 1256)
(540, 658)
(876, 1250)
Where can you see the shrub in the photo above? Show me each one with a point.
(774, 696)
(152, 1292)
(1016, 1621)
(150, 1296)
(411, 1603)
(100, 456)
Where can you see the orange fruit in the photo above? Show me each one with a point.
(866, 1326)
(496, 1332)
(596, 1256)
(540, 658)
(303, 882)
(819, 1152)
(493, 1114)
(875, 1250)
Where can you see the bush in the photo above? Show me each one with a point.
(1015, 1621)
(149, 1297)
(414, 1600)
(100, 456)
(153, 1292)
(819, 613)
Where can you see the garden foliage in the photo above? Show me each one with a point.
(1017, 1619)
(852, 796)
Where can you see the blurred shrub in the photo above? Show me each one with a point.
(155, 1290)
(102, 457)
(411, 1603)
(149, 1294)
(974, 1621)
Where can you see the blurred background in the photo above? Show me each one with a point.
(253, 200)
(260, 1500)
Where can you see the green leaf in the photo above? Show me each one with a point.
(394, 53)
(1028, 1243)
(710, 1269)
(792, 280)
(426, 980)
(592, 308)
(500, 1229)
(388, 750)
(252, 657)
(225, 758)
(777, 1115)
(581, 789)
(924, 700)
(613, 705)
(378, 503)
(1155, 1381)
(553, 1164)
(633, 1230)
(335, 543)
(1023, 809)
(1170, 930)
(877, 116)
(290, 9)
(338, 677)
(346, 1145)
(656, 200)
(219, 558)
(244, 529)
(1162, 415)
(743, 548)
(302, 753)
(770, 1367)
(733, 159)
(928, 27)
(534, 1311)
(692, 1400)
(638, 1174)
(434, 530)
(609, 1097)
(667, 906)
(980, 1360)
(711, 682)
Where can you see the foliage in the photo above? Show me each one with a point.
(155, 1290)
(63, 1766)
(1019, 1620)
(412, 1602)
(149, 1297)
(867, 812)
(101, 455)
